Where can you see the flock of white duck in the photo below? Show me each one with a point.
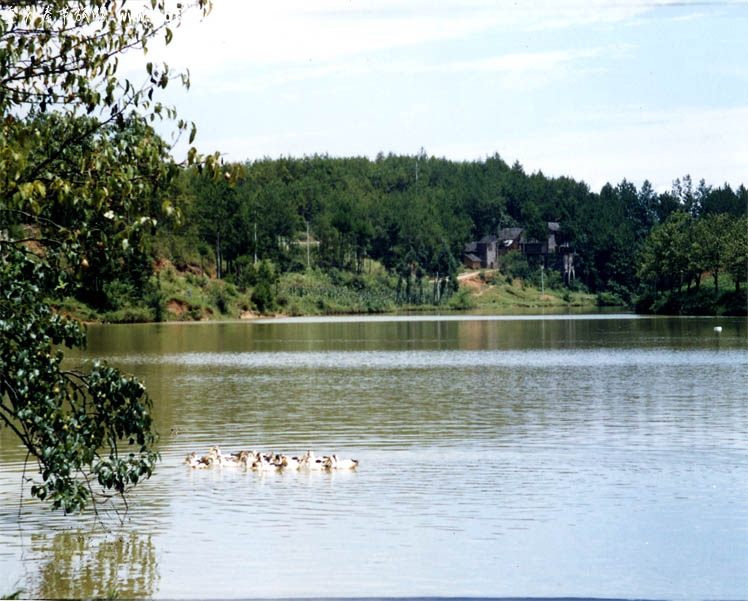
(268, 462)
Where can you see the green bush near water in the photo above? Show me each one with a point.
(728, 299)
(463, 300)
(316, 292)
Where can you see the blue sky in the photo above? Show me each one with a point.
(595, 90)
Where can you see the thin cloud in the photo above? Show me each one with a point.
(295, 31)
(527, 69)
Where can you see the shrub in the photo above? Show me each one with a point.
(129, 315)
(462, 300)
(118, 294)
(609, 299)
(263, 298)
(219, 295)
(155, 301)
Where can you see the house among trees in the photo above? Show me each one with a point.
(483, 253)
(510, 238)
(554, 251)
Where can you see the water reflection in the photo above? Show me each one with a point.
(424, 333)
(80, 564)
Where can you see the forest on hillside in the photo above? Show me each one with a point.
(413, 215)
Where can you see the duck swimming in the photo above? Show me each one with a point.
(268, 462)
(265, 464)
(311, 462)
(290, 463)
(196, 462)
(333, 463)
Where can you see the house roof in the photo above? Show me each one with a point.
(510, 233)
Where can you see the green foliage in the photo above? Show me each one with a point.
(263, 293)
(263, 298)
(82, 429)
(221, 296)
(463, 300)
(84, 180)
(513, 265)
(610, 299)
(130, 314)
(318, 292)
(73, 49)
(345, 213)
(685, 250)
(694, 301)
(155, 300)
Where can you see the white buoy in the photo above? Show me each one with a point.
(717, 329)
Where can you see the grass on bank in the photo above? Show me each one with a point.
(499, 291)
(192, 295)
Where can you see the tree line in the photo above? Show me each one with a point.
(414, 215)
(253, 221)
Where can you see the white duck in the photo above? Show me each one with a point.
(311, 462)
(333, 463)
(230, 461)
(289, 463)
(263, 465)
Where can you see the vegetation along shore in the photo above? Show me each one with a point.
(322, 235)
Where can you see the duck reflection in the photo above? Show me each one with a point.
(85, 565)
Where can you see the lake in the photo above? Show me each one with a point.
(534, 456)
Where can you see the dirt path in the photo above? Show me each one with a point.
(471, 275)
(472, 279)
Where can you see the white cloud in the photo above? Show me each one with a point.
(518, 62)
(297, 31)
(566, 14)
(521, 71)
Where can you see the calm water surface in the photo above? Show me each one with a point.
(560, 456)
